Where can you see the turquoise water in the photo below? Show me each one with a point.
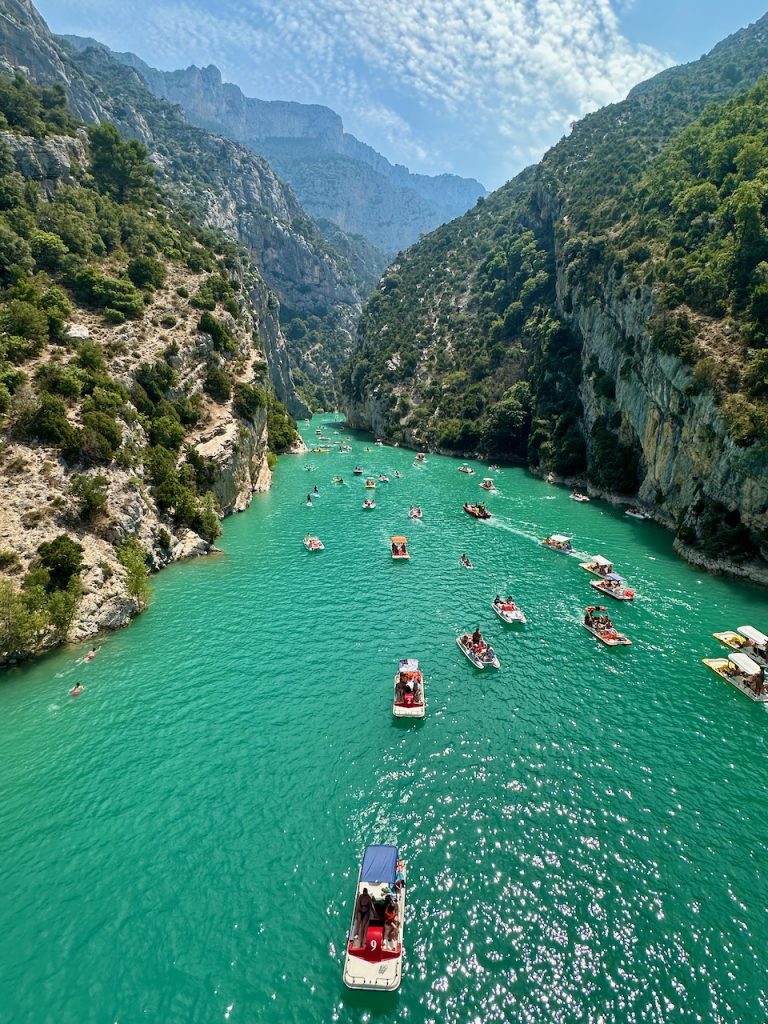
(585, 829)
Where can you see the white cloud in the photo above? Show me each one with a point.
(504, 76)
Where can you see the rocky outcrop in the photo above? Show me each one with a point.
(336, 177)
(49, 163)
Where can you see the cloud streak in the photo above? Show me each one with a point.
(482, 86)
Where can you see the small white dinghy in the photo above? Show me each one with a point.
(485, 656)
(409, 699)
(374, 952)
(508, 610)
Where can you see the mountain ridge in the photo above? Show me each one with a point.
(281, 131)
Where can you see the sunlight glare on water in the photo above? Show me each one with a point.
(585, 829)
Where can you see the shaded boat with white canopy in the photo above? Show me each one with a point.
(374, 954)
(743, 673)
(747, 639)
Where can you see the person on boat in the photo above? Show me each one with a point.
(477, 637)
(490, 654)
(76, 690)
(315, 490)
(364, 911)
(390, 919)
(510, 604)
(309, 499)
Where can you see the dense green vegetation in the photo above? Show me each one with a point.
(105, 243)
(470, 342)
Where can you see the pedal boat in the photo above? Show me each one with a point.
(743, 673)
(477, 511)
(370, 483)
(369, 503)
(400, 548)
(358, 471)
(481, 660)
(415, 512)
(748, 640)
(409, 700)
(464, 468)
(558, 542)
(577, 496)
(421, 458)
(636, 513)
(377, 966)
(508, 611)
(598, 566)
(313, 543)
(614, 586)
(605, 632)
(488, 485)
(383, 478)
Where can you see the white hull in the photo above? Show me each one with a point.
(376, 976)
(509, 617)
(637, 515)
(617, 595)
(736, 642)
(477, 662)
(579, 497)
(416, 710)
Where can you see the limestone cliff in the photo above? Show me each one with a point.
(336, 177)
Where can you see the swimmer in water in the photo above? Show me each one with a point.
(91, 654)
(76, 690)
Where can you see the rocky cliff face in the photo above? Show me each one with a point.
(335, 176)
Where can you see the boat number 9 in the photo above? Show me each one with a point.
(373, 943)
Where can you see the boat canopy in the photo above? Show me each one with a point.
(379, 864)
(744, 663)
(399, 540)
(753, 634)
(598, 559)
(558, 538)
(614, 577)
(409, 665)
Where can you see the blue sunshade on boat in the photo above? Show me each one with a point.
(379, 864)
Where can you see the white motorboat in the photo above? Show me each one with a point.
(313, 543)
(743, 673)
(373, 960)
(483, 657)
(508, 610)
(558, 542)
(636, 513)
(576, 496)
(409, 700)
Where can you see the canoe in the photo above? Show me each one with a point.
(377, 965)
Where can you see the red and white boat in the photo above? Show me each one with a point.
(507, 610)
(369, 503)
(409, 699)
(374, 955)
(481, 654)
(414, 512)
(400, 548)
(313, 543)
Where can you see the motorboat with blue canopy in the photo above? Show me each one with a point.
(374, 955)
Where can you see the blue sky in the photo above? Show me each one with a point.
(476, 87)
